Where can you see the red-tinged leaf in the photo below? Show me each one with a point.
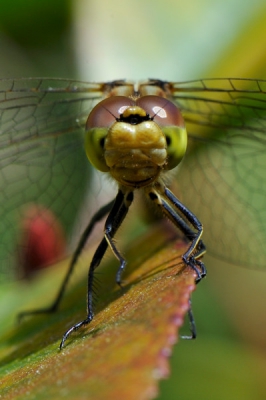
(124, 351)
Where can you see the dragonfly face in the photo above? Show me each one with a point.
(135, 138)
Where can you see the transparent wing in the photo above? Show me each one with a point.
(223, 177)
(42, 159)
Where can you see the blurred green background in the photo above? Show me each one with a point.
(173, 40)
(36, 39)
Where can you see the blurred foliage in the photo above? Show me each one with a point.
(35, 38)
(33, 24)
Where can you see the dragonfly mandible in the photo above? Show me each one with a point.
(221, 177)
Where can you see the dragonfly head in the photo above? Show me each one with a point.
(135, 139)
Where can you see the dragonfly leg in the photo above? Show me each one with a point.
(114, 220)
(192, 324)
(185, 220)
(54, 306)
(98, 255)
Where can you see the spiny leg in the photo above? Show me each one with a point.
(179, 215)
(197, 248)
(114, 220)
(54, 306)
(191, 323)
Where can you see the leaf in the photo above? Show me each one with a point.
(128, 342)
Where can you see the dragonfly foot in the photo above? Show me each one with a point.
(197, 266)
(75, 328)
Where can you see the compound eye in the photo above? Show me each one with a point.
(105, 113)
(161, 110)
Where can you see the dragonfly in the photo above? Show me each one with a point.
(210, 133)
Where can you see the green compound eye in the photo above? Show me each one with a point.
(176, 139)
(94, 146)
